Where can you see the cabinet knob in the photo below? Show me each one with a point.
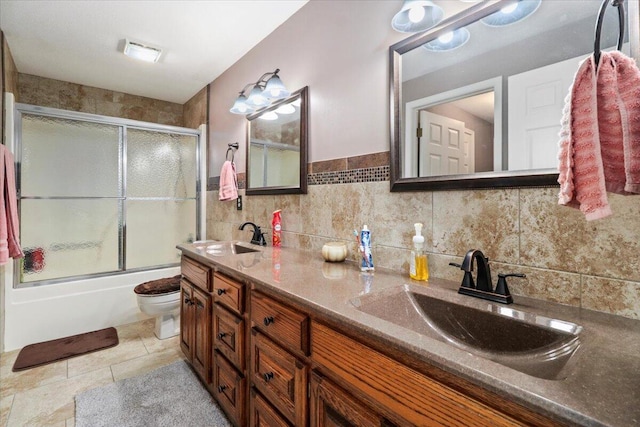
(221, 335)
(221, 388)
(187, 301)
(267, 320)
(268, 377)
(221, 291)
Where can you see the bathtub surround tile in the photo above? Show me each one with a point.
(53, 404)
(483, 219)
(557, 237)
(611, 296)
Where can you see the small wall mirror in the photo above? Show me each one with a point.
(487, 112)
(277, 147)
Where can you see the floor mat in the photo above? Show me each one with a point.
(169, 396)
(64, 348)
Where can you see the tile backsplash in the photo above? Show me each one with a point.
(566, 259)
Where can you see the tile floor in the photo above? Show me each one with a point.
(44, 396)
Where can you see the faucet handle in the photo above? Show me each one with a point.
(501, 287)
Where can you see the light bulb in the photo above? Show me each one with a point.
(416, 13)
(446, 38)
(509, 9)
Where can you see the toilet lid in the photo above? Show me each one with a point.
(160, 286)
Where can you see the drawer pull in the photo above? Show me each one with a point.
(221, 335)
(267, 320)
(221, 388)
(200, 304)
(187, 301)
(221, 291)
(268, 377)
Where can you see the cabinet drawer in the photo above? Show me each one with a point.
(263, 414)
(399, 389)
(228, 292)
(228, 335)
(196, 273)
(280, 377)
(284, 325)
(229, 388)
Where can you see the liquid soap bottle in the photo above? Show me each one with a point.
(418, 267)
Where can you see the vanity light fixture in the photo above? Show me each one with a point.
(448, 41)
(267, 89)
(140, 51)
(511, 13)
(417, 15)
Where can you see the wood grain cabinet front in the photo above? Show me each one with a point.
(280, 377)
(331, 406)
(199, 275)
(228, 292)
(229, 336)
(195, 328)
(263, 414)
(229, 390)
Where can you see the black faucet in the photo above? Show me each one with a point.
(484, 287)
(258, 235)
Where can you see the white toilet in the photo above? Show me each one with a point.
(161, 298)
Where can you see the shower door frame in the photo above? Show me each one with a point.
(123, 124)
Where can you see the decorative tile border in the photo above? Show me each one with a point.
(380, 173)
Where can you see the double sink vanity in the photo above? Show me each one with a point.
(281, 338)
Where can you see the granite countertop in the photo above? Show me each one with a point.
(602, 384)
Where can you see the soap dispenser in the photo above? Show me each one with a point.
(418, 266)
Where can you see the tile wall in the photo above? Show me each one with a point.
(566, 259)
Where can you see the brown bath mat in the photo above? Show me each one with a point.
(64, 348)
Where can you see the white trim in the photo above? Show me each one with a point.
(412, 108)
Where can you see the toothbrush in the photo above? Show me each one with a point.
(361, 248)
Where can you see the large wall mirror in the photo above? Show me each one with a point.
(476, 102)
(277, 147)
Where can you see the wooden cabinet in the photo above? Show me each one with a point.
(278, 368)
(263, 414)
(195, 317)
(230, 348)
(332, 406)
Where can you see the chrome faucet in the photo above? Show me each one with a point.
(258, 235)
(484, 288)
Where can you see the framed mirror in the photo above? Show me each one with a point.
(476, 101)
(277, 146)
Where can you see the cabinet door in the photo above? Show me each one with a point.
(229, 335)
(331, 406)
(186, 318)
(280, 377)
(263, 414)
(202, 334)
(229, 388)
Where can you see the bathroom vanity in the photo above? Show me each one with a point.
(291, 346)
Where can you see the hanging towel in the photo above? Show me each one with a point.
(599, 137)
(228, 182)
(9, 226)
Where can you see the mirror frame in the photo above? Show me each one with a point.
(304, 145)
(499, 179)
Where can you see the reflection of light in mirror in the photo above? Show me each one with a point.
(269, 115)
(286, 109)
(296, 103)
(512, 13)
(449, 41)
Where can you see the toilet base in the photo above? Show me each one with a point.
(167, 325)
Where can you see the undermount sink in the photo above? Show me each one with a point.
(535, 345)
(216, 248)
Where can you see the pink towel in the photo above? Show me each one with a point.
(9, 226)
(600, 135)
(228, 182)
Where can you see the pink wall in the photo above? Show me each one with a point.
(337, 48)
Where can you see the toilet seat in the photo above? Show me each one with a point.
(167, 285)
